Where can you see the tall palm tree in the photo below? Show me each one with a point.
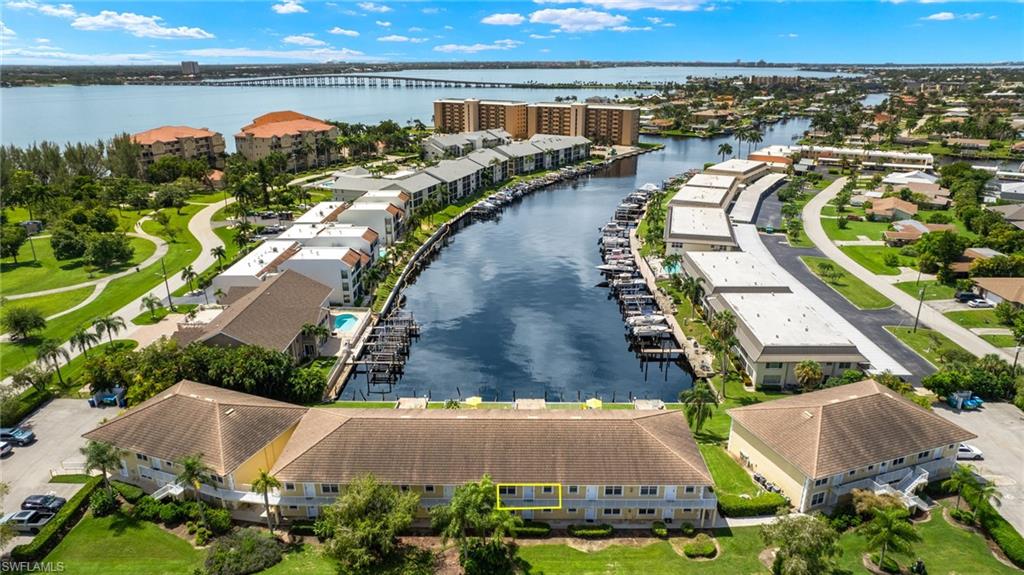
(242, 238)
(102, 456)
(152, 303)
(316, 331)
(961, 478)
(83, 339)
(699, 403)
(723, 328)
(220, 253)
(808, 374)
(50, 351)
(754, 137)
(987, 491)
(889, 530)
(194, 474)
(724, 150)
(188, 274)
(264, 484)
(694, 291)
(111, 325)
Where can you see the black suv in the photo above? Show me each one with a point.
(48, 503)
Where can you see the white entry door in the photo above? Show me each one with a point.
(591, 492)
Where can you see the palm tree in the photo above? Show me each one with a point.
(110, 324)
(219, 294)
(753, 137)
(50, 351)
(808, 374)
(987, 491)
(241, 238)
(691, 288)
(724, 150)
(962, 478)
(889, 529)
(188, 274)
(699, 403)
(220, 253)
(102, 456)
(316, 331)
(194, 474)
(31, 376)
(83, 339)
(264, 484)
(152, 303)
(723, 328)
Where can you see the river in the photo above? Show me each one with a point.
(511, 307)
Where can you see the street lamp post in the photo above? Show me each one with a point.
(170, 300)
(917, 316)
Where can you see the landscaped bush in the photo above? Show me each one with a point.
(658, 529)
(51, 533)
(203, 536)
(1000, 530)
(890, 566)
(963, 516)
(764, 504)
(147, 509)
(532, 529)
(688, 529)
(591, 531)
(103, 503)
(701, 546)
(130, 493)
(17, 408)
(218, 520)
(171, 514)
(303, 529)
(246, 551)
(844, 517)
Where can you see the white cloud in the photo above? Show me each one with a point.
(5, 32)
(47, 55)
(544, 50)
(449, 27)
(316, 54)
(654, 20)
(303, 40)
(790, 35)
(940, 16)
(137, 25)
(971, 15)
(505, 19)
(383, 23)
(374, 7)
(289, 7)
(667, 5)
(474, 48)
(400, 38)
(42, 40)
(631, 29)
(932, 1)
(343, 32)
(56, 10)
(541, 36)
(415, 29)
(431, 10)
(577, 19)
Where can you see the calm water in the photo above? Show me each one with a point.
(512, 305)
(610, 75)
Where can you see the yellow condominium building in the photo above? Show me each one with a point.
(303, 140)
(604, 124)
(182, 141)
(471, 115)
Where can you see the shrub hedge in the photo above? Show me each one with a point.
(303, 529)
(701, 546)
(688, 529)
(103, 503)
(764, 504)
(18, 408)
(999, 529)
(591, 531)
(890, 566)
(130, 493)
(51, 533)
(532, 529)
(658, 529)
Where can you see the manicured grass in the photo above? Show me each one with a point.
(53, 303)
(932, 289)
(307, 561)
(76, 478)
(850, 286)
(145, 318)
(209, 197)
(1000, 340)
(927, 343)
(975, 318)
(47, 272)
(117, 544)
(800, 241)
(729, 476)
(716, 429)
(872, 230)
(872, 258)
(691, 323)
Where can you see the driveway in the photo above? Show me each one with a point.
(769, 213)
(1000, 429)
(58, 426)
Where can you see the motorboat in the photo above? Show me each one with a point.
(653, 319)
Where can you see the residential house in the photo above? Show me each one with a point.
(420, 186)
(906, 232)
(447, 146)
(383, 217)
(998, 290)
(891, 208)
(497, 167)
(525, 157)
(963, 265)
(1012, 213)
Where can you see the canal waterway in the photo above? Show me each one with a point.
(511, 308)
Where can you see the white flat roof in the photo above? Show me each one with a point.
(711, 181)
(734, 270)
(317, 213)
(331, 253)
(710, 223)
(783, 319)
(700, 196)
(738, 166)
(259, 258)
(333, 230)
(368, 205)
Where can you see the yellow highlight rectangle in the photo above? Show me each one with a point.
(497, 492)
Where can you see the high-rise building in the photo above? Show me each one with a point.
(190, 68)
(472, 115)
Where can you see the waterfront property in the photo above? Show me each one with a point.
(470, 115)
(456, 145)
(181, 141)
(869, 159)
(383, 217)
(459, 178)
(321, 213)
(820, 446)
(745, 171)
(304, 141)
(335, 235)
(625, 467)
(271, 315)
(707, 191)
(723, 272)
(693, 228)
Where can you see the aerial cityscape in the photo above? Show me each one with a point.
(550, 287)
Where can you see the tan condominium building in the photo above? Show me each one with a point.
(303, 140)
(181, 141)
(471, 115)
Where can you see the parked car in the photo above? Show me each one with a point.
(966, 296)
(968, 451)
(5, 449)
(979, 303)
(17, 435)
(47, 503)
(26, 521)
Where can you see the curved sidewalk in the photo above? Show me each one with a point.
(929, 316)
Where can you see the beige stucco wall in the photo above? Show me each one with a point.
(767, 462)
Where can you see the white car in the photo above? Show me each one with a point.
(979, 303)
(5, 449)
(968, 451)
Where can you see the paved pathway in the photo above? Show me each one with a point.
(992, 330)
(929, 316)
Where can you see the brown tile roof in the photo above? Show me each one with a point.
(1010, 289)
(351, 257)
(272, 314)
(226, 427)
(170, 134)
(370, 235)
(848, 427)
(455, 446)
(287, 128)
(279, 116)
(887, 205)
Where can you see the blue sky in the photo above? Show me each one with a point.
(905, 31)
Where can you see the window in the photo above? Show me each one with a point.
(293, 507)
(403, 488)
(820, 482)
(773, 365)
(924, 454)
(612, 490)
(851, 472)
(687, 510)
(141, 457)
(871, 467)
(844, 365)
(217, 479)
(897, 461)
(574, 489)
(428, 488)
(329, 487)
(547, 489)
(645, 512)
(507, 490)
(289, 487)
(771, 380)
(689, 489)
(648, 490)
(818, 499)
(611, 512)
(571, 510)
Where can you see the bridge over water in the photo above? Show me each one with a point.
(376, 81)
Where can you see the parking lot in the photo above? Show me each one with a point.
(58, 427)
(1000, 431)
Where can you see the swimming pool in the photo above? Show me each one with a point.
(673, 269)
(345, 322)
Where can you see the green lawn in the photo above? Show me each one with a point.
(932, 289)
(716, 429)
(146, 318)
(47, 272)
(927, 343)
(1000, 340)
(728, 475)
(872, 230)
(872, 258)
(209, 197)
(975, 318)
(119, 545)
(53, 303)
(307, 561)
(848, 285)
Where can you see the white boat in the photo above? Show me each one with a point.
(616, 267)
(650, 330)
(653, 319)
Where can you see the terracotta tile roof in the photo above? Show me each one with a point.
(351, 257)
(170, 134)
(887, 205)
(1010, 289)
(454, 446)
(226, 427)
(279, 116)
(286, 128)
(370, 235)
(848, 427)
